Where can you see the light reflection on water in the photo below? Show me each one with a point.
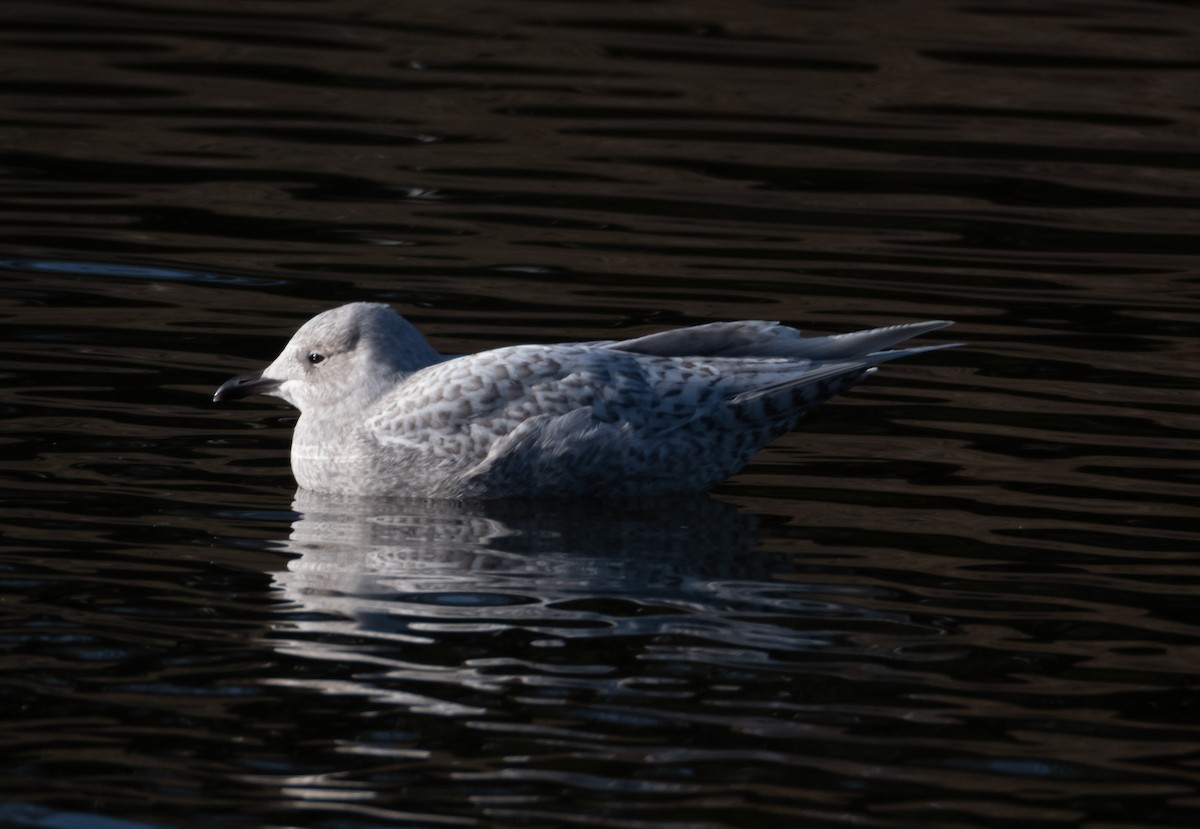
(962, 595)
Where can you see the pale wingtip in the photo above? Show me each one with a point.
(928, 325)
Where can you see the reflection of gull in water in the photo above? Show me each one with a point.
(383, 414)
(426, 604)
(378, 582)
(432, 551)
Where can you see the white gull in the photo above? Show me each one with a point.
(382, 413)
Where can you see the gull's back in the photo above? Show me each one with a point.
(671, 412)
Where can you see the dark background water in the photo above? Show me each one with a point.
(965, 595)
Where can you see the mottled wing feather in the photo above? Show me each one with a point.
(467, 403)
(484, 396)
(671, 411)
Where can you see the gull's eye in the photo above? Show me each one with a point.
(316, 357)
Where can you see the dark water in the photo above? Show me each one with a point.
(965, 595)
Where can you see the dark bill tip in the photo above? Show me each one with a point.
(237, 387)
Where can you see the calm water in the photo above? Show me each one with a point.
(965, 595)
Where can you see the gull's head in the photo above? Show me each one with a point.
(346, 356)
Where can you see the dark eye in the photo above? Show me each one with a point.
(315, 357)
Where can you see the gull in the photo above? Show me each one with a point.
(384, 414)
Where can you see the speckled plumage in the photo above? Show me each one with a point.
(382, 413)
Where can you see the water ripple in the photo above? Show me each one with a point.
(960, 596)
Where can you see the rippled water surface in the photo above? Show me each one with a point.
(967, 594)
